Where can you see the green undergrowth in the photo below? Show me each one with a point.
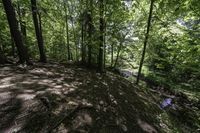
(184, 114)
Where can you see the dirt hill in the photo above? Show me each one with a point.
(72, 99)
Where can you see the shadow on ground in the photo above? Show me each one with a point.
(71, 99)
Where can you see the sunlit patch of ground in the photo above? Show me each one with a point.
(58, 98)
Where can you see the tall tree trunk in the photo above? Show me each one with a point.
(22, 24)
(75, 41)
(101, 28)
(67, 30)
(82, 44)
(74, 33)
(38, 30)
(105, 30)
(104, 46)
(14, 30)
(83, 48)
(90, 29)
(145, 41)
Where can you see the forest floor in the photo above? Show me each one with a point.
(71, 99)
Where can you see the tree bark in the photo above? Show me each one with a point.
(90, 29)
(145, 41)
(75, 41)
(101, 28)
(83, 47)
(112, 54)
(23, 25)
(21, 14)
(83, 44)
(104, 46)
(2, 56)
(38, 30)
(14, 30)
(67, 30)
(74, 32)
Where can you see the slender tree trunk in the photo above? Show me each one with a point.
(81, 23)
(101, 28)
(82, 44)
(112, 55)
(74, 33)
(14, 30)
(40, 23)
(90, 26)
(38, 30)
(89, 54)
(75, 41)
(71, 56)
(22, 24)
(83, 48)
(145, 41)
(90, 48)
(104, 46)
(67, 30)
(105, 30)
(118, 52)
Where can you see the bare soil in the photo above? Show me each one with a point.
(71, 99)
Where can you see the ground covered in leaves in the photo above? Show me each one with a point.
(68, 98)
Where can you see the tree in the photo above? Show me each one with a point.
(83, 28)
(101, 38)
(112, 52)
(67, 29)
(118, 52)
(122, 39)
(145, 41)
(14, 30)
(90, 29)
(2, 56)
(72, 12)
(38, 30)
(21, 13)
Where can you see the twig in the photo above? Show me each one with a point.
(155, 91)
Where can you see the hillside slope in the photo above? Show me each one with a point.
(69, 98)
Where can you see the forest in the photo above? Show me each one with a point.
(99, 66)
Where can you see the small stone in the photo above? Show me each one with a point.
(101, 102)
(124, 128)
